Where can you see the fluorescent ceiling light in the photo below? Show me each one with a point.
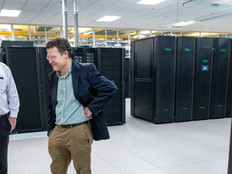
(150, 2)
(182, 24)
(108, 18)
(10, 13)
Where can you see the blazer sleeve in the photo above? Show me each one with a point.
(50, 118)
(104, 88)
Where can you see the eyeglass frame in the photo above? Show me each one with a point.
(53, 57)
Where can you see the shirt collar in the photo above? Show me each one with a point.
(58, 73)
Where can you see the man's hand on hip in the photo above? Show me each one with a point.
(88, 113)
(12, 121)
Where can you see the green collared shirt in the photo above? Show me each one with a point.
(68, 109)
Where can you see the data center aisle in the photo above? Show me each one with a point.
(138, 147)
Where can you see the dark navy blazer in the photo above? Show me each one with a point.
(91, 89)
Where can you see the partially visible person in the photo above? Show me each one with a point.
(78, 94)
(9, 108)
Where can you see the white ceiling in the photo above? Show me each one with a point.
(133, 15)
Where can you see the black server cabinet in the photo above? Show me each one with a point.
(165, 56)
(1, 55)
(44, 69)
(132, 80)
(229, 91)
(127, 77)
(7, 43)
(203, 76)
(230, 153)
(110, 63)
(22, 62)
(153, 79)
(220, 77)
(142, 91)
(91, 56)
(184, 78)
(78, 54)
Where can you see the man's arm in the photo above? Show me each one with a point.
(105, 91)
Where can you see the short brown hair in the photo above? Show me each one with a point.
(61, 44)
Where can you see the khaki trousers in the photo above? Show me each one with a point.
(66, 144)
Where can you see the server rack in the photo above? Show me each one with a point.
(127, 77)
(91, 56)
(203, 76)
(142, 91)
(78, 54)
(230, 153)
(1, 55)
(220, 77)
(153, 79)
(44, 69)
(165, 53)
(184, 78)
(7, 43)
(229, 91)
(132, 80)
(110, 63)
(22, 62)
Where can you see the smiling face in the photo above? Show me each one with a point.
(59, 61)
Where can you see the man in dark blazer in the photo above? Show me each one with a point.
(78, 94)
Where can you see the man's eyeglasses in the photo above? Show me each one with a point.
(50, 57)
(53, 57)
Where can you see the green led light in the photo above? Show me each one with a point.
(167, 49)
(205, 61)
(187, 49)
(223, 50)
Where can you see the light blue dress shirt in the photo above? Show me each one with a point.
(68, 109)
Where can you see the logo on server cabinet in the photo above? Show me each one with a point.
(167, 49)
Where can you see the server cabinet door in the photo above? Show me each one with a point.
(165, 78)
(230, 153)
(132, 80)
(184, 78)
(78, 54)
(144, 100)
(143, 56)
(44, 69)
(202, 83)
(91, 56)
(127, 77)
(229, 91)
(22, 62)
(110, 64)
(220, 77)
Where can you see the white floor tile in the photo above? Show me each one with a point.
(187, 169)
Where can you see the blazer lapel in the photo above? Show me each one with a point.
(55, 87)
(75, 78)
